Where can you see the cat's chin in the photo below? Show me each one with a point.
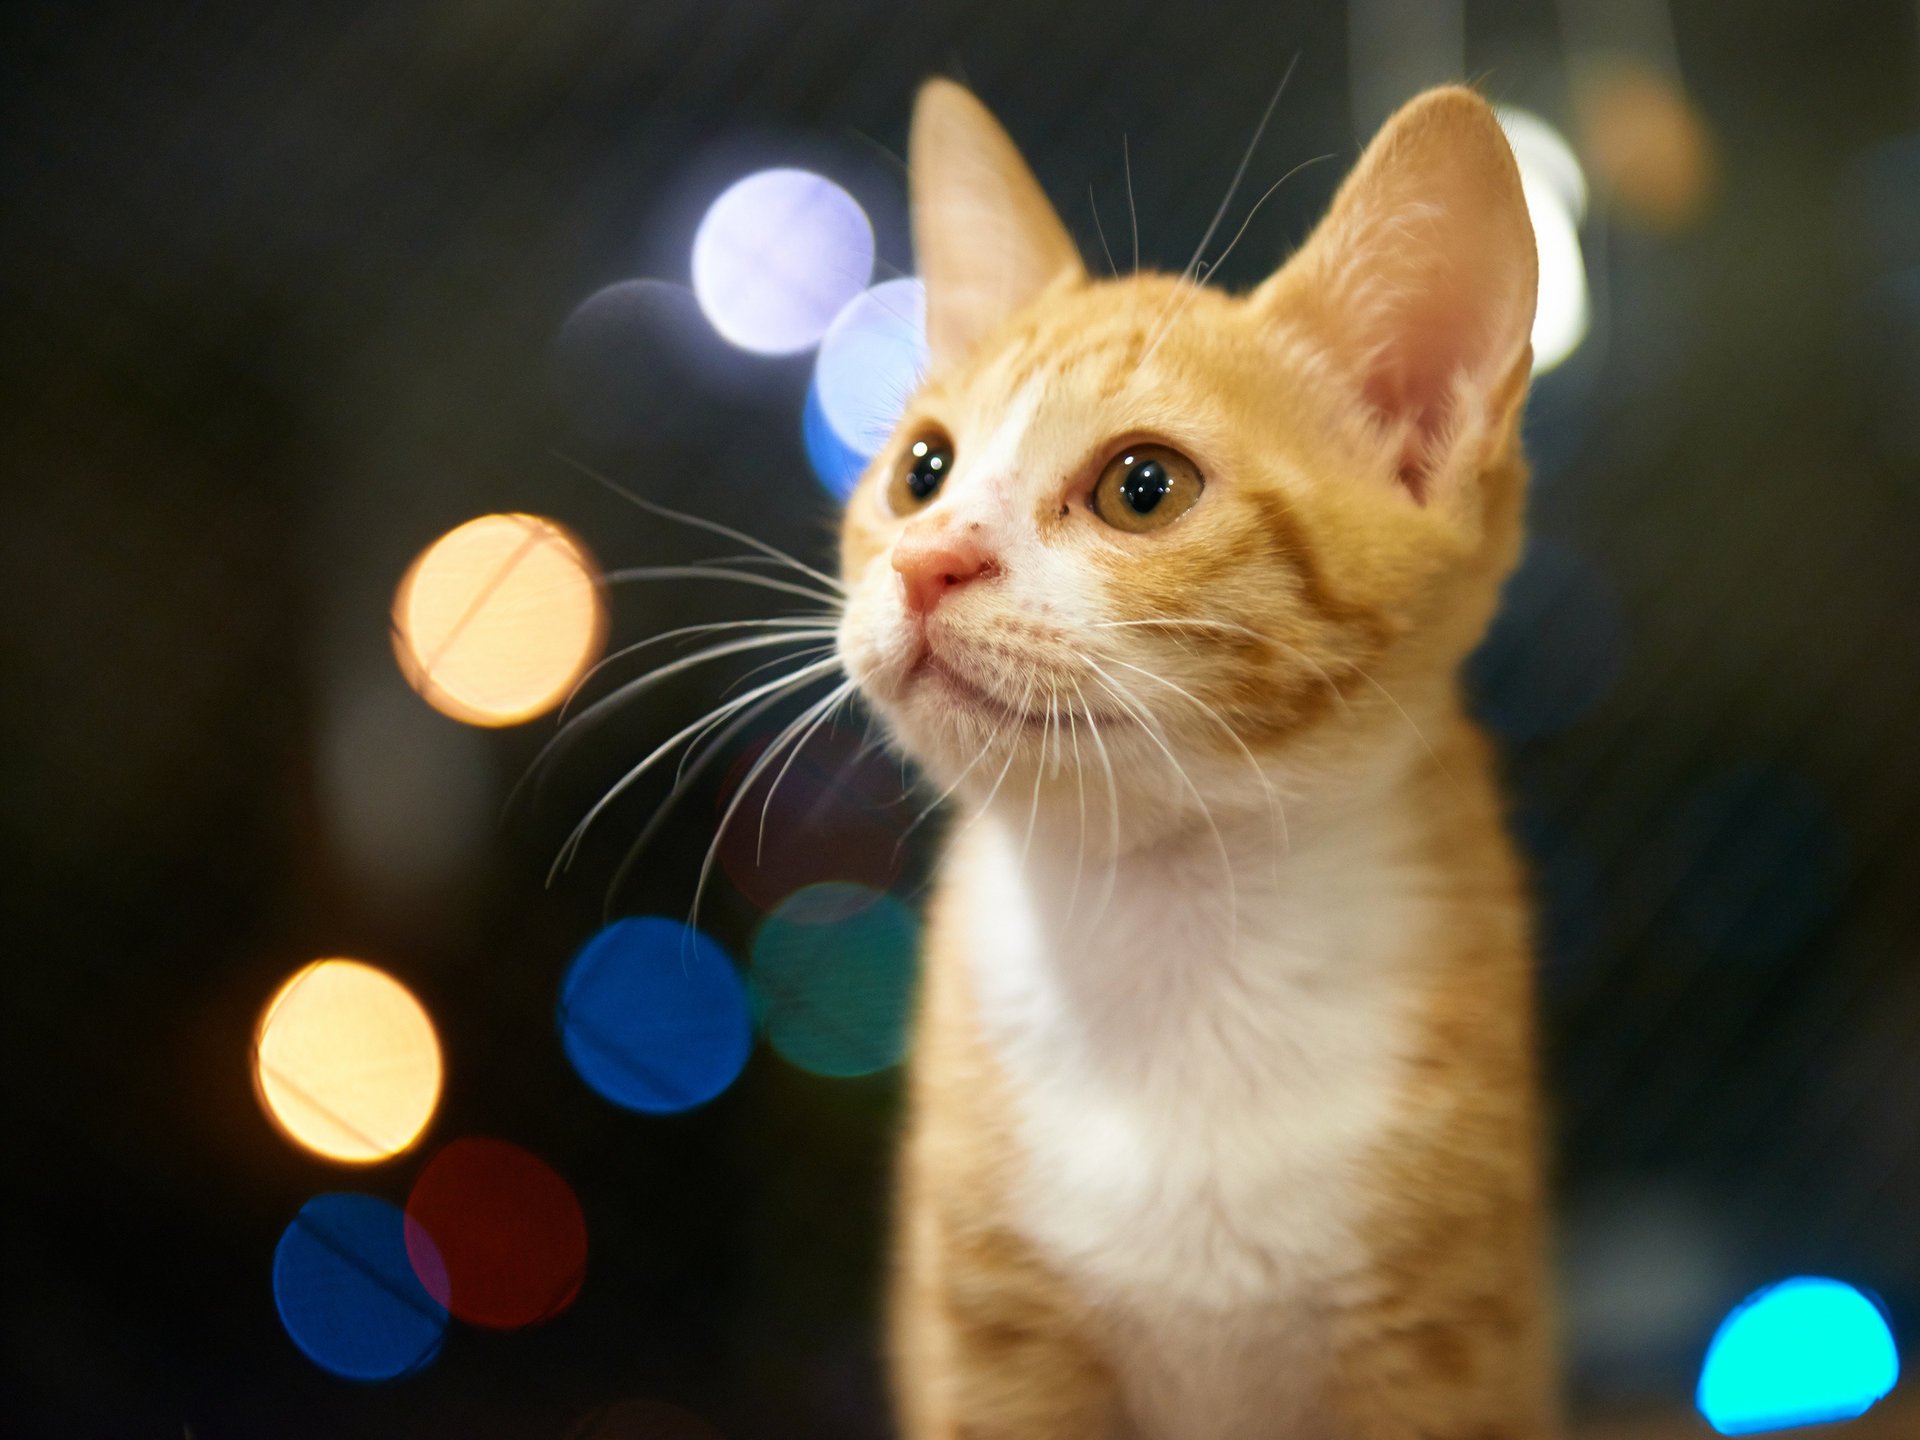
(949, 722)
(935, 682)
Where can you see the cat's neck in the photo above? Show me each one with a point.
(1212, 955)
(1303, 866)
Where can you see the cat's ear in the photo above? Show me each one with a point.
(1421, 281)
(984, 237)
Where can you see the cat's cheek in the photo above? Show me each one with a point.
(875, 655)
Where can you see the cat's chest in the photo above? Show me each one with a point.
(1195, 1102)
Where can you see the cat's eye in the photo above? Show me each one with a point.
(1146, 487)
(920, 474)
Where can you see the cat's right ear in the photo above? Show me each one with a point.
(1421, 283)
(984, 237)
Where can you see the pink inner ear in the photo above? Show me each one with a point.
(1412, 379)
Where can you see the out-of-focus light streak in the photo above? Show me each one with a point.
(407, 801)
(1806, 1351)
(497, 619)
(777, 256)
(346, 1062)
(347, 1283)
(654, 1016)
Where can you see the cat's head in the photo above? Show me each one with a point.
(1133, 521)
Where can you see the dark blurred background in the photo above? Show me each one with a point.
(283, 296)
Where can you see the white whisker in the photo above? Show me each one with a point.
(712, 527)
(820, 708)
(1113, 800)
(1132, 705)
(786, 682)
(686, 775)
(796, 623)
(714, 572)
(1275, 809)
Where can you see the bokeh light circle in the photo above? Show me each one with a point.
(642, 1420)
(836, 464)
(1564, 311)
(496, 1235)
(871, 360)
(777, 256)
(1806, 1351)
(1648, 140)
(833, 976)
(654, 1016)
(496, 619)
(1543, 153)
(637, 363)
(346, 1062)
(1555, 188)
(346, 1287)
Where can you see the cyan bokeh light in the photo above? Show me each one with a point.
(1806, 1351)
(776, 258)
(871, 361)
(654, 1016)
(833, 977)
(348, 1293)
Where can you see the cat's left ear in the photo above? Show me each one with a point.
(1421, 284)
(984, 237)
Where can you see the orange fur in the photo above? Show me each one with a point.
(1270, 682)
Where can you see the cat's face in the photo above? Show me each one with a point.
(1134, 522)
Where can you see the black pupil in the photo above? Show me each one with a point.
(1146, 486)
(928, 468)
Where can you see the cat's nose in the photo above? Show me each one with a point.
(932, 566)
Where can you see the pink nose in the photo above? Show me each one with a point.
(932, 566)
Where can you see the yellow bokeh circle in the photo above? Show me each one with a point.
(497, 619)
(346, 1062)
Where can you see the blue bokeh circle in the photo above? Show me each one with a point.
(654, 1016)
(348, 1293)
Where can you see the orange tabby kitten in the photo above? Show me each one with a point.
(1223, 1119)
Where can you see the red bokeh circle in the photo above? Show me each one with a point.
(506, 1230)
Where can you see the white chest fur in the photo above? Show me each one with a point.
(1199, 1068)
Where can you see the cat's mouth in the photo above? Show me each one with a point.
(931, 671)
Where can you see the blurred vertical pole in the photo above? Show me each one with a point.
(1396, 48)
(1642, 29)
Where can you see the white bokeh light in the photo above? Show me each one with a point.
(1556, 191)
(1561, 318)
(777, 256)
(871, 360)
(1544, 154)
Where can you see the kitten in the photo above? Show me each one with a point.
(1222, 1111)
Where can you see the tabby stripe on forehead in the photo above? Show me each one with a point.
(1060, 353)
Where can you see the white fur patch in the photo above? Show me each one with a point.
(1194, 1104)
